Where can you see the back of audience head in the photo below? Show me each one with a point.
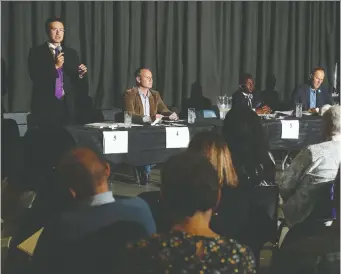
(244, 135)
(84, 172)
(189, 185)
(213, 146)
(331, 118)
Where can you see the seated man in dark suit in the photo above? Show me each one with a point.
(98, 218)
(145, 105)
(247, 96)
(312, 95)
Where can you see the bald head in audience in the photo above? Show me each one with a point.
(84, 172)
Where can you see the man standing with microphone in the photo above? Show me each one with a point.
(54, 70)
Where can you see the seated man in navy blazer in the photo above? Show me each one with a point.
(312, 95)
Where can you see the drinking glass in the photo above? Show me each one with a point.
(298, 111)
(224, 104)
(127, 119)
(191, 115)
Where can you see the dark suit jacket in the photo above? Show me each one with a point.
(41, 65)
(133, 104)
(301, 94)
(239, 100)
(58, 249)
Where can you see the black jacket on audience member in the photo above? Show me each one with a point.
(91, 239)
(255, 168)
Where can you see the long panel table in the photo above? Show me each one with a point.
(147, 144)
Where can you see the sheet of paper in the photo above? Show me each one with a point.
(177, 137)
(133, 125)
(290, 129)
(115, 142)
(102, 125)
(289, 112)
(30, 243)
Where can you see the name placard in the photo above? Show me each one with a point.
(177, 137)
(290, 129)
(115, 142)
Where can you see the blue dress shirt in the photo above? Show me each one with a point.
(313, 97)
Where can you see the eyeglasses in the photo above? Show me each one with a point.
(55, 30)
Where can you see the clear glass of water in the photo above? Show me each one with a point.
(127, 119)
(224, 104)
(191, 115)
(298, 111)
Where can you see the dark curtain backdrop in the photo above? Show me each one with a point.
(182, 42)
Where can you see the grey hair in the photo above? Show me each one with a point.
(332, 120)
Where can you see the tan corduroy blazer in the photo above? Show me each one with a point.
(133, 104)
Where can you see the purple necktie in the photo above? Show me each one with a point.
(59, 80)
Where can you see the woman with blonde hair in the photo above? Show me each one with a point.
(213, 146)
(232, 213)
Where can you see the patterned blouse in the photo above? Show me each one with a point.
(180, 252)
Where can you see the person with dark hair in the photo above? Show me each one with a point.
(312, 95)
(85, 173)
(248, 145)
(145, 105)
(247, 96)
(255, 168)
(55, 71)
(190, 191)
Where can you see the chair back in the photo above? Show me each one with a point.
(324, 207)
(152, 198)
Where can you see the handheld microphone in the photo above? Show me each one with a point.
(58, 50)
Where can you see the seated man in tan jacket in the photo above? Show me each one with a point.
(142, 102)
(145, 105)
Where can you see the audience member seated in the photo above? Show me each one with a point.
(247, 96)
(90, 237)
(232, 211)
(190, 191)
(145, 105)
(310, 170)
(316, 251)
(197, 100)
(255, 168)
(270, 94)
(312, 95)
